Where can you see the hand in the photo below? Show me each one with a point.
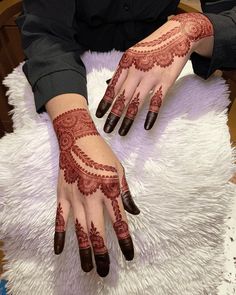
(90, 176)
(152, 66)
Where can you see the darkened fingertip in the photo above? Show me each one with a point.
(129, 203)
(127, 248)
(59, 242)
(125, 126)
(86, 259)
(110, 123)
(150, 120)
(103, 107)
(108, 81)
(103, 264)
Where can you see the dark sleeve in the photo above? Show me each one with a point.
(224, 49)
(53, 65)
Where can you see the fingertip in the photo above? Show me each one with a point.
(129, 204)
(59, 241)
(99, 114)
(103, 107)
(127, 248)
(111, 123)
(125, 126)
(103, 264)
(150, 120)
(86, 259)
(123, 132)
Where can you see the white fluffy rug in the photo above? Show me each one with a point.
(180, 184)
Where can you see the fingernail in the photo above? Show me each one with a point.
(59, 241)
(150, 120)
(111, 122)
(86, 259)
(102, 108)
(129, 204)
(127, 248)
(103, 264)
(108, 128)
(125, 126)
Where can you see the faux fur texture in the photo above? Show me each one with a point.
(178, 173)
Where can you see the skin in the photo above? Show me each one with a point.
(90, 178)
(152, 66)
(90, 175)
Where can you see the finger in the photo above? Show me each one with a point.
(63, 208)
(127, 200)
(155, 104)
(120, 103)
(95, 223)
(116, 211)
(81, 231)
(134, 106)
(111, 91)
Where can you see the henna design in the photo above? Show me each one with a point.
(72, 125)
(193, 27)
(82, 236)
(119, 105)
(156, 101)
(89, 162)
(110, 91)
(133, 107)
(60, 222)
(124, 185)
(158, 41)
(97, 240)
(69, 127)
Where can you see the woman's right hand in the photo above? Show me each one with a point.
(90, 177)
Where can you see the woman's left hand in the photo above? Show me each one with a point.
(152, 66)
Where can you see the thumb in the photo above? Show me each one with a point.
(127, 199)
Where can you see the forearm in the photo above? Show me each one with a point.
(65, 102)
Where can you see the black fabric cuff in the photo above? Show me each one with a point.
(222, 57)
(56, 83)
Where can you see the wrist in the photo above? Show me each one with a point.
(198, 31)
(65, 102)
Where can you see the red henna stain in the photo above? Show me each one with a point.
(97, 240)
(60, 222)
(82, 236)
(69, 126)
(124, 185)
(89, 162)
(133, 107)
(176, 42)
(110, 91)
(119, 105)
(156, 101)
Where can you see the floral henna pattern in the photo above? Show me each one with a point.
(69, 127)
(110, 91)
(156, 101)
(89, 162)
(119, 105)
(60, 222)
(82, 236)
(72, 125)
(177, 42)
(97, 240)
(133, 107)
